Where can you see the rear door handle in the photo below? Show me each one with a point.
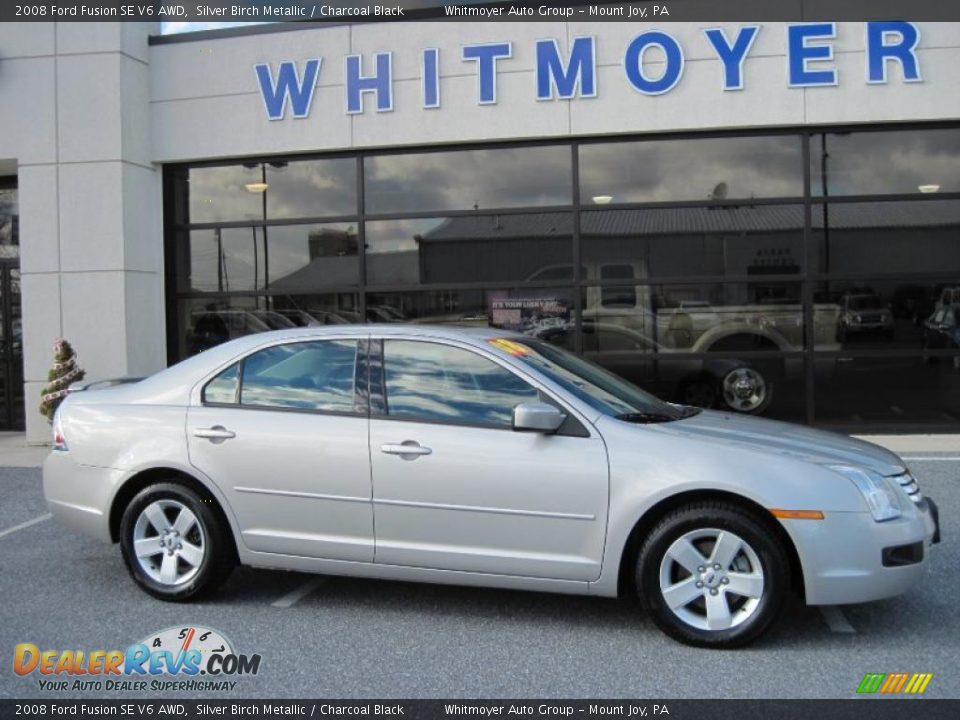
(408, 449)
(217, 432)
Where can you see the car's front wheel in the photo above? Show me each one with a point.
(712, 574)
(173, 543)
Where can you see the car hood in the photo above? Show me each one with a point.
(784, 439)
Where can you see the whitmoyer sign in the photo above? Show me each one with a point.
(288, 88)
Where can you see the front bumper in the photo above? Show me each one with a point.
(80, 496)
(842, 556)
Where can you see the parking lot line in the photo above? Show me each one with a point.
(836, 619)
(292, 598)
(23, 525)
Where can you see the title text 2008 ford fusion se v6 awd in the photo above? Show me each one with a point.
(474, 457)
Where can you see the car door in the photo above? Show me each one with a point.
(455, 488)
(283, 433)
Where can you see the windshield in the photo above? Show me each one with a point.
(866, 303)
(599, 388)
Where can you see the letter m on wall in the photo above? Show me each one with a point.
(288, 83)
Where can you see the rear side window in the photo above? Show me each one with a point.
(439, 383)
(223, 388)
(307, 376)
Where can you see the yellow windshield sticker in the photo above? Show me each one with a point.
(508, 346)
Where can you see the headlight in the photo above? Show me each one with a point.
(876, 490)
(858, 318)
(908, 483)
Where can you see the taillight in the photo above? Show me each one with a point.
(59, 441)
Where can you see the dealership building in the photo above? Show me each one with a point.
(758, 217)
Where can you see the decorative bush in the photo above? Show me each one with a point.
(65, 371)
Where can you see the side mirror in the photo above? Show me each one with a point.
(537, 417)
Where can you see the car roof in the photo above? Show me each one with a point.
(172, 384)
(473, 335)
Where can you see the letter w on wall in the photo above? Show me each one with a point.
(288, 83)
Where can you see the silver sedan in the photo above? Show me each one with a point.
(480, 458)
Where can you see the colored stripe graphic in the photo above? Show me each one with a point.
(871, 682)
(894, 683)
(918, 683)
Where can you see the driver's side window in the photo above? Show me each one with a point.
(433, 382)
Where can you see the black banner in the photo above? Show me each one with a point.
(879, 709)
(341, 11)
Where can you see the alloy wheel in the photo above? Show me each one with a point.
(169, 542)
(711, 579)
(744, 389)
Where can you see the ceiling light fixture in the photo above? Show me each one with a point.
(602, 199)
(928, 188)
(256, 187)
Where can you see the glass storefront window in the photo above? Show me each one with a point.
(228, 193)
(281, 258)
(468, 180)
(207, 322)
(916, 236)
(892, 391)
(529, 310)
(468, 248)
(275, 190)
(697, 291)
(716, 317)
(9, 223)
(891, 313)
(875, 163)
(311, 188)
(674, 242)
(691, 169)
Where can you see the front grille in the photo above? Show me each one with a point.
(871, 318)
(909, 485)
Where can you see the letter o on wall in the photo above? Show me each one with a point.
(673, 64)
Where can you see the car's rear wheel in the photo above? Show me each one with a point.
(173, 543)
(712, 575)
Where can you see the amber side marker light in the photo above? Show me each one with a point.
(797, 514)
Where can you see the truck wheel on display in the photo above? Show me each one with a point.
(746, 390)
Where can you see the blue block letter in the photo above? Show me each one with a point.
(288, 84)
(486, 58)
(732, 56)
(580, 72)
(380, 83)
(633, 62)
(879, 52)
(431, 78)
(799, 54)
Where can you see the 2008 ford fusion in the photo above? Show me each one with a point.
(480, 458)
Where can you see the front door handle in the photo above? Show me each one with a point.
(408, 449)
(215, 433)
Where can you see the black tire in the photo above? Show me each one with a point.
(699, 391)
(753, 617)
(219, 556)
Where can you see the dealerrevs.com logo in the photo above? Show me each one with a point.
(178, 658)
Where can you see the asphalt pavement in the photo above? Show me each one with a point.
(349, 638)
